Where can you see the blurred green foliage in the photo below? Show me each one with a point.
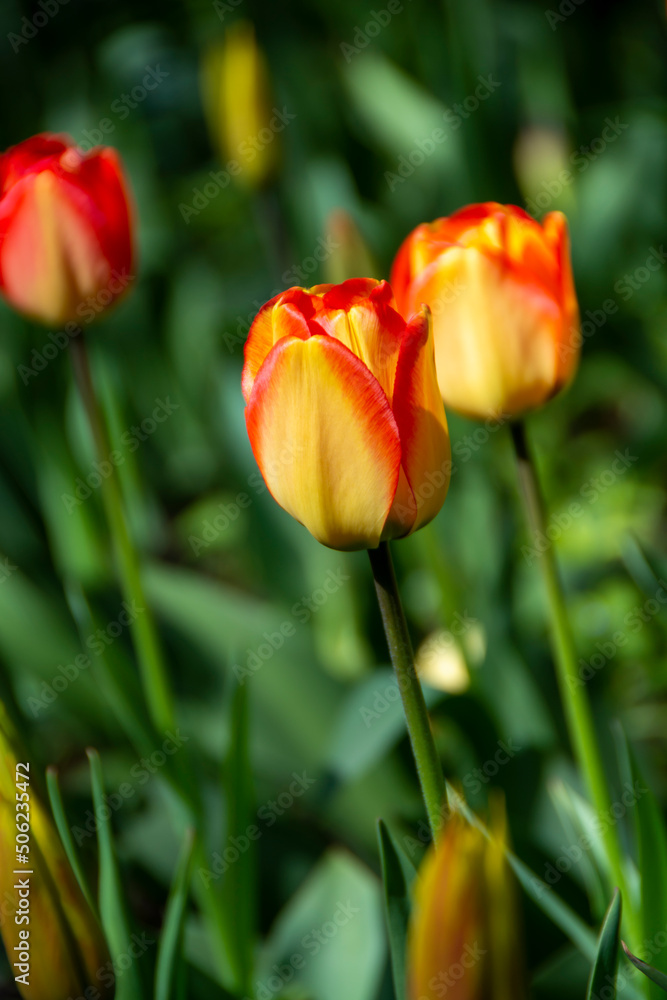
(225, 567)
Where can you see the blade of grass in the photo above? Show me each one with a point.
(659, 978)
(603, 975)
(58, 810)
(169, 955)
(652, 850)
(239, 885)
(397, 875)
(113, 911)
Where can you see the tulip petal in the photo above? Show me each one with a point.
(361, 313)
(420, 416)
(285, 315)
(50, 259)
(556, 234)
(325, 440)
(65, 229)
(496, 334)
(97, 187)
(503, 232)
(448, 917)
(29, 156)
(355, 291)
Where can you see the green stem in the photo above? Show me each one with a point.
(578, 713)
(416, 715)
(144, 631)
(147, 643)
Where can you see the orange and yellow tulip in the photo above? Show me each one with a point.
(505, 313)
(463, 941)
(344, 414)
(53, 941)
(65, 229)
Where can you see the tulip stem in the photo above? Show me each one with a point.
(144, 631)
(578, 713)
(402, 657)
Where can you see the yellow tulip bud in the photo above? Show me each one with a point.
(237, 98)
(53, 941)
(463, 940)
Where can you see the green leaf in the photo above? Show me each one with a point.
(169, 954)
(65, 832)
(606, 962)
(221, 622)
(656, 977)
(112, 904)
(369, 724)
(578, 820)
(114, 674)
(410, 109)
(239, 884)
(397, 875)
(329, 941)
(652, 849)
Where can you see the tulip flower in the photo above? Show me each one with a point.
(237, 97)
(53, 941)
(65, 229)
(344, 414)
(462, 940)
(505, 314)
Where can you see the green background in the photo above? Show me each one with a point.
(178, 336)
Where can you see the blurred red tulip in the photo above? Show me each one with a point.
(65, 229)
